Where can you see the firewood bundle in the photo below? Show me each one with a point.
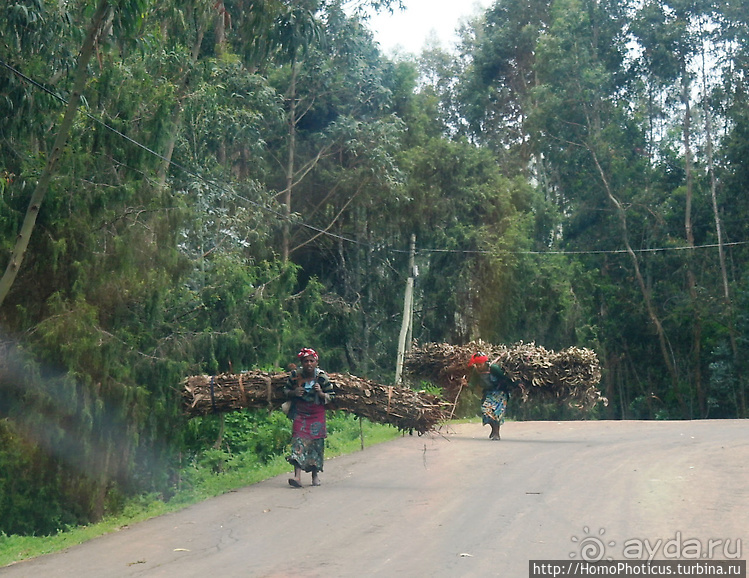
(570, 375)
(401, 407)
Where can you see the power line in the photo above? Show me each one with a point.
(586, 252)
(342, 237)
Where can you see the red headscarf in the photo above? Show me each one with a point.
(307, 352)
(478, 358)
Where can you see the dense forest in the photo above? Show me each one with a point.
(207, 185)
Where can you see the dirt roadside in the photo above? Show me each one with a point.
(455, 504)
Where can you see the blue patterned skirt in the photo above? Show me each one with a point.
(493, 407)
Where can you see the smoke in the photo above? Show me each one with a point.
(90, 430)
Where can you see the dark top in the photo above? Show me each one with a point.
(296, 379)
(495, 380)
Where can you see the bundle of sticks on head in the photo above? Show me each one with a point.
(571, 375)
(401, 407)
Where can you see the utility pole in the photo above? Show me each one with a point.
(406, 324)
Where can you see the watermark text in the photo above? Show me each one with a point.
(620, 568)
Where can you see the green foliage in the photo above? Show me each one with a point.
(262, 434)
(26, 506)
(431, 389)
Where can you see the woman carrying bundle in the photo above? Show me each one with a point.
(496, 391)
(309, 391)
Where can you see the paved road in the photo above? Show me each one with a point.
(456, 504)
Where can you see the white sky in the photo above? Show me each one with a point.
(407, 30)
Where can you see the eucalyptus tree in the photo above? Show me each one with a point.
(477, 224)
(31, 45)
(112, 291)
(290, 29)
(712, 47)
(496, 90)
(582, 126)
(345, 139)
(667, 33)
(293, 34)
(99, 21)
(687, 63)
(135, 281)
(79, 409)
(730, 98)
(183, 31)
(25, 110)
(472, 224)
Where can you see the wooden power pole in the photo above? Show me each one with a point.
(406, 324)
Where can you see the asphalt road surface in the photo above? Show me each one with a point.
(457, 504)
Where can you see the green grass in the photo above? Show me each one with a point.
(203, 484)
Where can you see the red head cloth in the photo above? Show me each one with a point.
(307, 352)
(478, 359)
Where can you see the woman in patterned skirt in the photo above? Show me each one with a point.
(496, 391)
(309, 390)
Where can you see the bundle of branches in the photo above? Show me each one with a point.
(570, 375)
(401, 407)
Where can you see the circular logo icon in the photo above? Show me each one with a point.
(591, 548)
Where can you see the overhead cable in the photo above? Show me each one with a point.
(342, 237)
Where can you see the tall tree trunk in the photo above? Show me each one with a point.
(655, 320)
(290, 160)
(365, 277)
(727, 303)
(176, 117)
(81, 75)
(689, 229)
(220, 28)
